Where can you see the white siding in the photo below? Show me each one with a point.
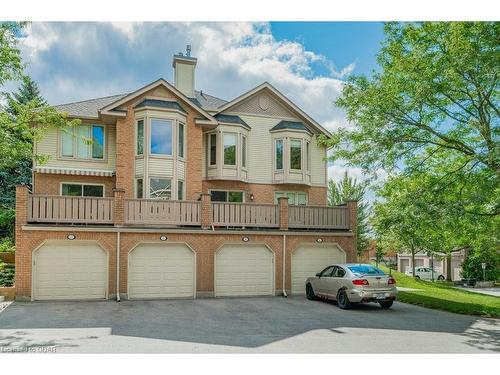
(49, 145)
(318, 163)
(181, 170)
(139, 167)
(161, 167)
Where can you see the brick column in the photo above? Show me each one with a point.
(119, 207)
(21, 206)
(352, 207)
(22, 280)
(206, 211)
(283, 206)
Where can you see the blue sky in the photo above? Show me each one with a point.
(307, 61)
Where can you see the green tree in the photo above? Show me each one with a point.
(350, 189)
(24, 120)
(436, 92)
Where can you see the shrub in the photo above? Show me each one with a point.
(6, 246)
(7, 272)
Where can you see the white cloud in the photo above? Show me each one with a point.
(77, 61)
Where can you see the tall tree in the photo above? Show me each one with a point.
(25, 119)
(350, 189)
(436, 93)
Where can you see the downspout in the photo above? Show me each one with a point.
(283, 255)
(118, 266)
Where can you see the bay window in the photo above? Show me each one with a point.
(279, 154)
(229, 148)
(140, 138)
(213, 149)
(295, 154)
(161, 137)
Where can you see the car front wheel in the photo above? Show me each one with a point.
(386, 304)
(343, 300)
(441, 277)
(310, 292)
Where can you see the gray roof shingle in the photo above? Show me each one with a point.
(290, 125)
(232, 119)
(160, 104)
(91, 107)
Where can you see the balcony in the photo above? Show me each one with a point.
(202, 214)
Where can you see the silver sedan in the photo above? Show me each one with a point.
(352, 283)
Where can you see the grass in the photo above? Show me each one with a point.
(442, 296)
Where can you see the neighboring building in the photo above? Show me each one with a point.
(439, 260)
(168, 192)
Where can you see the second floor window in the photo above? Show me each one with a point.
(181, 140)
(140, 137)
(243, 151)
(83, 142)
(229, 149)
(295, 154)
(180, 190)
(279, 154)
(213, 149)
(161, 137)
(82, 190)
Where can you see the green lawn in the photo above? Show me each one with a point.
(442, 296)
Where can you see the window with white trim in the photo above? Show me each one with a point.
(226, 196)
(296, 198)
(139, 188)
(83, 142)
(180, 140)
(213, 149)
(161, 137)
(279, 154)
(295, 154)
(180, 190)
(160, 188)
(229, 140)
(140, 138)
(82, 190)
(243, 151)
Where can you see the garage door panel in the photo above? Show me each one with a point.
(308, 260)
(161, 271)
(244, 270)
(72, 270)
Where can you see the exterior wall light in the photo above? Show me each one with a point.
(71, 236)
(245, 239)
(251, 197)
(163, 238)
(319, 240)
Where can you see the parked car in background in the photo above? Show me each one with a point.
(352, 283)
(425, 273)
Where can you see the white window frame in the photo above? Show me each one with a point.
(210, 165)
(73, 132)
(236, 151)
(290, 154)
(295, 196)
(143, 119)
(229, 191)
(282, 140)
(184, 133)
(173, 146)
(82, 184)
(161, 178)
(135, 187)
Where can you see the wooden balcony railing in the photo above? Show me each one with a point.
(162, 212)
(65, 209)
(152, 212)
(318, 217)
(245, 214)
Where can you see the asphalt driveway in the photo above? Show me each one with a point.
(274, 325)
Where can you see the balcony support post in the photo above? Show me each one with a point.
(119, 207)
(283, 206)
(206, 211)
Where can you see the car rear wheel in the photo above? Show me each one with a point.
(417, 277)
(386, 304)
(441, 277)
(310, 292)
(343, 300)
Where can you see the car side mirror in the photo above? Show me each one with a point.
(318, 274)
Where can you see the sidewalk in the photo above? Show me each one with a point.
(495, 292)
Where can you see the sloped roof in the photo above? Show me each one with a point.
(282, 125)
(160, 104)
(231, 119)
(90, 108)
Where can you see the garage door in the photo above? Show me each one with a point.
(404, 265)
(244, 270)
(161, 271)
(70, 270)
(308, 260)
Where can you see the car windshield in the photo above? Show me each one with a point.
(365, 269)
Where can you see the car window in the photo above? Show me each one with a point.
(366, 269)
(327, 272)
(339, 272)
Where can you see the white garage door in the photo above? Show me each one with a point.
(308, 260)
(70, 270)
(244, 270)
(161, 271)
